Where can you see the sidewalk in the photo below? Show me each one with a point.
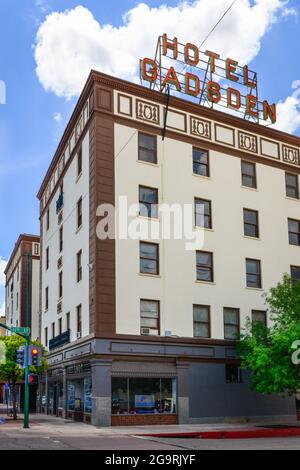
(43, 424)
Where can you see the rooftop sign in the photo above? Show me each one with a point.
(206, 78)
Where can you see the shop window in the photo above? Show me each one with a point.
(233, 374)
(140, 395)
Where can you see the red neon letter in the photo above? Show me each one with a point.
(195, 89)
(231, 66)
(269, 111)
(251, 105)
(149, 70)
(194, 60)
(213, 92)
(172, 79)
(212, 59)
(170, 44)
(236, 102)
(246, 77)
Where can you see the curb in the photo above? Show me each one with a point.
(233, 434)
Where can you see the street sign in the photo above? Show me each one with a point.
(21, 330)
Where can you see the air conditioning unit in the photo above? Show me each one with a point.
(79, 335)
(149, 331)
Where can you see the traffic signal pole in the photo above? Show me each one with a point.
(28, 304)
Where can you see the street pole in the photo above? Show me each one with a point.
(28, 302)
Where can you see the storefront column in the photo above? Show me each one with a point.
(183, 393)
(46, 394)
(65, 393)
(101, 392)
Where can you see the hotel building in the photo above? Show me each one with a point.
(143, 332)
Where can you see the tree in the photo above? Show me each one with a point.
(269, 352)
(10, 371)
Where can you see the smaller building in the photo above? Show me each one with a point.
(2, 330)
(25, 255)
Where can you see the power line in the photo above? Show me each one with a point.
(217, 24)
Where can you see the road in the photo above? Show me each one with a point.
(48, 433)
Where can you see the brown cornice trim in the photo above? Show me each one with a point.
(158, 97)
(168, 340)
(22, 237)
(198, 110)
(207, 144)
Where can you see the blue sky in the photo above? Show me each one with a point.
(38, 105)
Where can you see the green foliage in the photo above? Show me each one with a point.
(10, 371)
(267, 352)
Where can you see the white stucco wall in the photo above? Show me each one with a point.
(176, 287)
(73, 293)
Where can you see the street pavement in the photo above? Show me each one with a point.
(49, 433)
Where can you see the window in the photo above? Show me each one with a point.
(200, 162)
(79, 162)
(147, 148)
(47, 257)
(59, 326)
(294, 232)
(79, 213)
(149, 311)
(249, 175)
(251, 223)
(79, 320)
(231, 323)
(201, 321)
(68, 321)
(60, 284)
(53, 330)
(204, 266)
(79, 266)
(253, 273)
(47, 219)
(259, 316)
(143, 395)
(17, 305)
(149, 261)
(233, 374)
(61, 239)
(148, 199)
(36, 249)
(46, 336)
(291, 185)
(203, 213)
(295, 274)
(46, 298)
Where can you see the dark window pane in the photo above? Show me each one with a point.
(248, 174)
(231, 332)
(148, 198)
(201, 313)
(292, 188)
(147, 148)
(259, 316)
(252, 267)
(231, 316)
(295, 273)
(200, 162)
(233, 374)
(119, 395)
(202, 213)
(204, 266)
(201, 330)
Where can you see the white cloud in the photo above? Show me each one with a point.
(57, 117)
(3, 265)
(288, 111)
(70, 43)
